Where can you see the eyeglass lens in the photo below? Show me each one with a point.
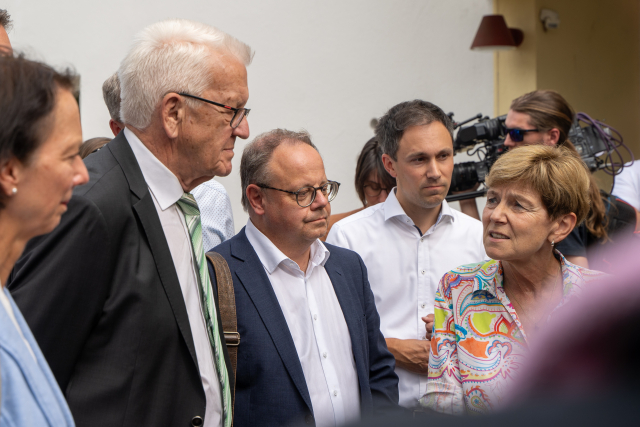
(306, 195)
(238, 116)
(374, 190)
(516, 135)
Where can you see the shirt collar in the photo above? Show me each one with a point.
(392, 208)
(271, 257)
(490, 275)
(161, 181)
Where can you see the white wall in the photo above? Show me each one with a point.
(328, 67)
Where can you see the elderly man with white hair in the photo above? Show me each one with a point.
(119, 296)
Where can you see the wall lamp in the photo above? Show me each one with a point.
(493, 34)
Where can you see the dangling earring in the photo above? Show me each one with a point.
(553, 242)
(14, 190)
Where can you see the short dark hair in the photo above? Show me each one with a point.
(28, 92)
(392, 125)
(256, 156)
(370, 160)
(5, 19)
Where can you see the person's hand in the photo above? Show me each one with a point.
(428, 324)
(412, 355)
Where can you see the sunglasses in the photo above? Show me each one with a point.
(517, 135)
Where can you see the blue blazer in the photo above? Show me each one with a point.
(270, 385)
(30, 393)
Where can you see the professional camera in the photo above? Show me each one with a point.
(591, 141)
(490, 132)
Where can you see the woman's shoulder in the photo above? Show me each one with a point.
(585, 274)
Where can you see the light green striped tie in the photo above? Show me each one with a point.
(189, 207)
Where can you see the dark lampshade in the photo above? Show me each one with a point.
(494, 34)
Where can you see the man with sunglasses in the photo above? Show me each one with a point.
(310, 343)
(119, 295)
(412, 239)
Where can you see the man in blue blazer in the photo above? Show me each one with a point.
(311, 348)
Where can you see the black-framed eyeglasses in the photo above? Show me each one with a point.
(374, 190)
(238, 113)
(306, 195)
(517, 135)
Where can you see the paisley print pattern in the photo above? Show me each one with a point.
(478, 343)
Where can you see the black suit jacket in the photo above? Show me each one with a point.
(271, 389)
(102, 297)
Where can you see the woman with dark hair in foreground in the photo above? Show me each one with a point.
(40, 137)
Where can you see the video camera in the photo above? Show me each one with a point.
(591, 142)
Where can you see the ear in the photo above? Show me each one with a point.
(172, 110)
(256, 198)
(389, 165)
(552, 137)
(564, 226)
(10, 172)
(115, 127)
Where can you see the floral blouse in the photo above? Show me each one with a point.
(478, 343)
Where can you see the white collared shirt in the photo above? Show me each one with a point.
(166, 191)
(405, 268)
(318, 328)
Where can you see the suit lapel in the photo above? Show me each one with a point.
(257, 285)
(148, 215)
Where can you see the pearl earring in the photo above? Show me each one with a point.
(14, 190)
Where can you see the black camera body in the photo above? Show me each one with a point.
(491, 132)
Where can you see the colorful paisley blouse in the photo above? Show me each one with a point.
(478, 342)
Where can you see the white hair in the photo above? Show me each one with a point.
(171, 56)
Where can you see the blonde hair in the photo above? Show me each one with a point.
(557, 174)
(171, 56)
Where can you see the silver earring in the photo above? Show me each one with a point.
(14, 190)
(553, 242)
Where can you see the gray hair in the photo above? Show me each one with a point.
(399, 118)
(256, 155)
(171, 56)
(5, 20)
(111, 95)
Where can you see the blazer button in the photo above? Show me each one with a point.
(309, 420)
(197, 421)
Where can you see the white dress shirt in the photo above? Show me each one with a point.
(404, 268)
(166, 191)
(627, 185)
(317, 326)
(215, 213)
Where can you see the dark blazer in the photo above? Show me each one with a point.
(102, 297)
(270, 385)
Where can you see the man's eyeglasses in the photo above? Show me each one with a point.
(306, 195)
(238, 113)
(517, 135)
(374, 190)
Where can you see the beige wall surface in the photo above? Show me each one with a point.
(592, 59)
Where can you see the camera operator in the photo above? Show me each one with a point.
(545, 117)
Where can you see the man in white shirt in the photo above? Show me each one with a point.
(412, 239)
(125, 315)
(310, 343)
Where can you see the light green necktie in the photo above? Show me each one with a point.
(189, 207)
